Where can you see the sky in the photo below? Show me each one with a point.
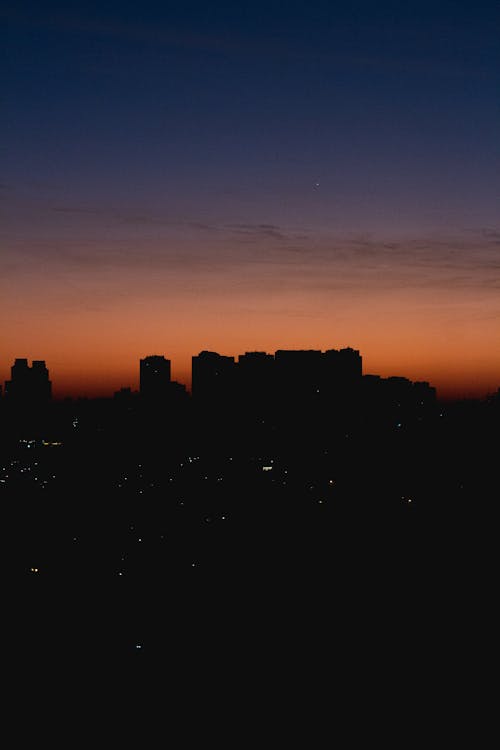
(250, 176)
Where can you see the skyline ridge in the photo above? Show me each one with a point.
(134, 386)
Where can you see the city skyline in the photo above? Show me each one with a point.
(230, 178)
(155, 374)
(250, 352)
(96, 379)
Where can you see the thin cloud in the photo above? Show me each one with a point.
(78, 210)
(257, 231)
(260, 253)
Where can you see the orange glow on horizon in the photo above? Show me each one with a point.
(92, 325)
(90, 359)
(177, 182)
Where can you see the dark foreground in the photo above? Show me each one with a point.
(357, 560)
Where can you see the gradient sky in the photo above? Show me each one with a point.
(240, 176)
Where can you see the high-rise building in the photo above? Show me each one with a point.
(343, 365)
(29, 385)
(288, 378)
(298, 375)
(255, 370)
(212, 376)
(255, 381)
(41, 385)
(154, 377)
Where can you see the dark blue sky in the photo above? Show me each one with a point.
(206, 135)
(375, 101)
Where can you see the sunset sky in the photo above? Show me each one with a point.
(240, 176)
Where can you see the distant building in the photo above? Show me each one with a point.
(424, 392)
(342, 378)
(395, 400)
(28, 386)
(258, 364)
(213, 377)
(255, 382)
(298, 364)
(125, 395)
(328, 377)
(178, 391)
(255, 371)
(344, 365)
(154, 377)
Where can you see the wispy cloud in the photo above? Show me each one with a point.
(111, 243)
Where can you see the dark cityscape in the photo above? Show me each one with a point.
(250, 365)
(283, 479)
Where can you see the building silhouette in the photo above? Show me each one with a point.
(285, 378)
(290, 387)
(299, 372)
(343, 366)
(294, 389)
(396, 399)
(29, 386)
(256, 383)
(154, 377)
(213, 378)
